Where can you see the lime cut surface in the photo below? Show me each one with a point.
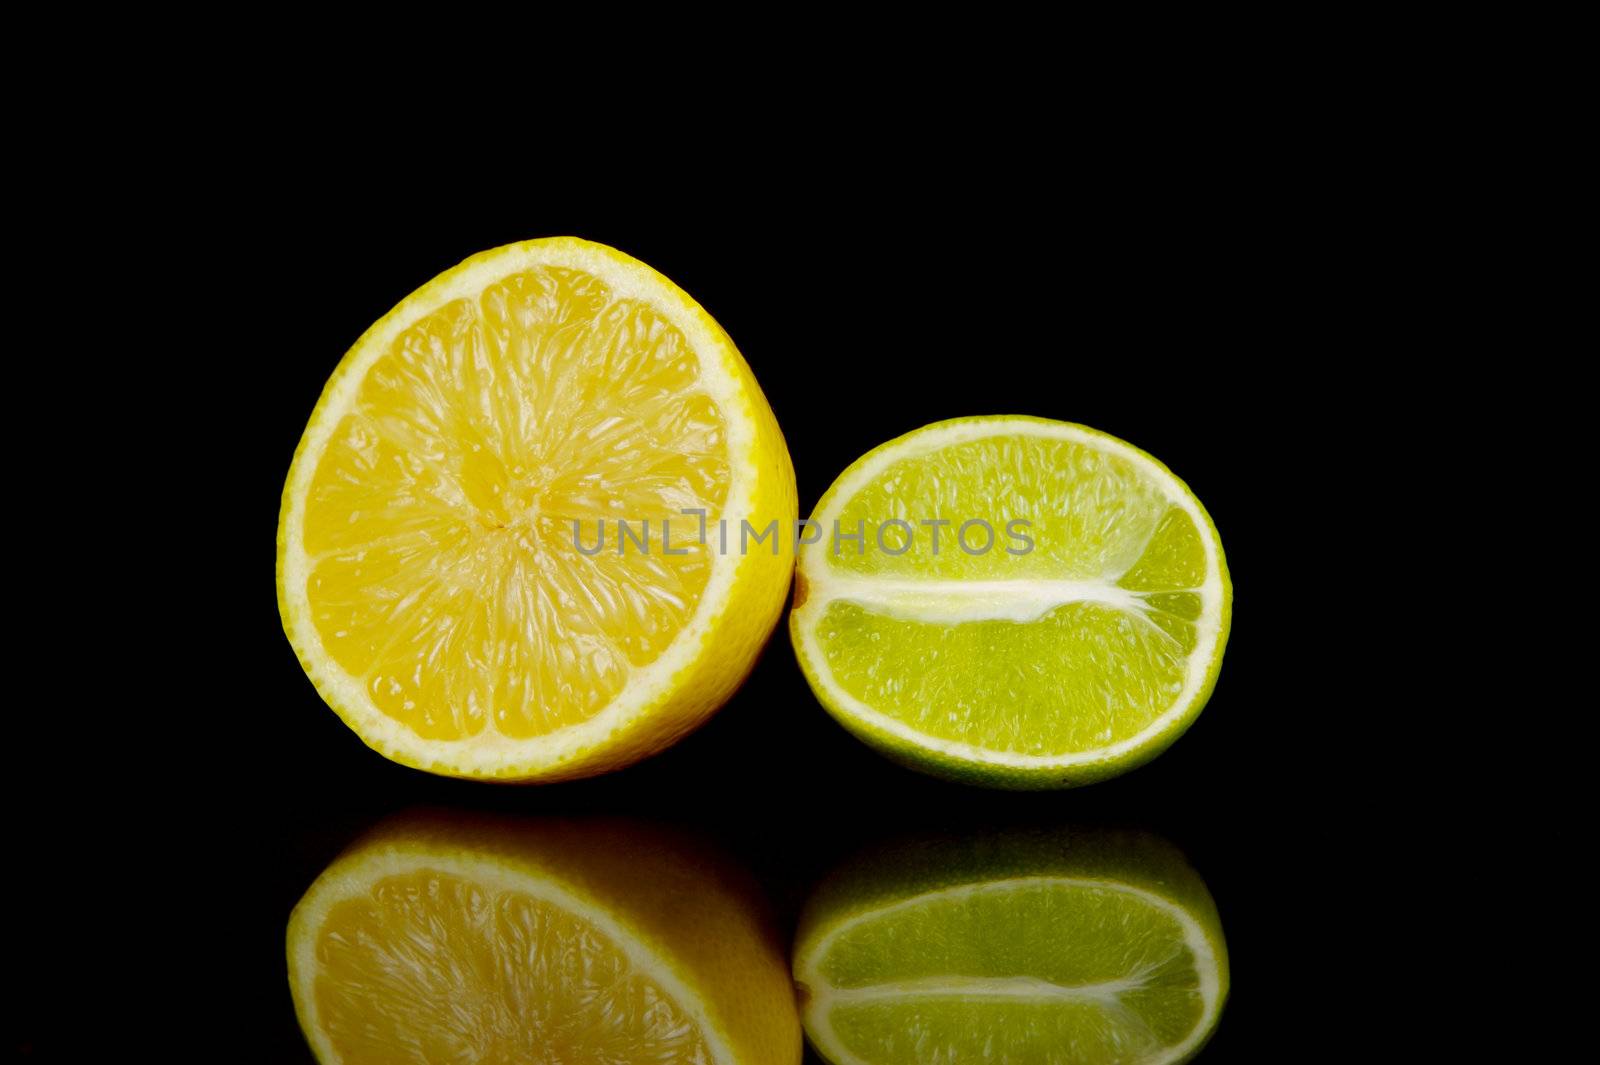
(1087, 949)
(1031, 603)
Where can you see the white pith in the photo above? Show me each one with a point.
(492, 876)
(824, 997)
(489, 750)
(1014, 989)
(954, 601)
(1018, 600)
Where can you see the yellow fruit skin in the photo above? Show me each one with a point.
(685, 903)
(727, 650)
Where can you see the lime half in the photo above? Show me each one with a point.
(1012, 601)
(1061, 948)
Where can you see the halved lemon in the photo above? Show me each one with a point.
(498, 549)
(1012, 601)
(455, 939)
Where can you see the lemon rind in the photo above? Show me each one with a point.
(355, 880)
(621, 731)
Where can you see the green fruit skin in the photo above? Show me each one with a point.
(1020, 778)
(899, 870)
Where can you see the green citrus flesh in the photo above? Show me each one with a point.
(1052, 962)
(1072, 634)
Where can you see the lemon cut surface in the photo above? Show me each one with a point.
(451, 568)
(453, 941)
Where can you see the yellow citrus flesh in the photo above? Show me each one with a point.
(412, 972)
(453, 940)
(440, 516)
(438, 570)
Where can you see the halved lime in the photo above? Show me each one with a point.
(1012, 601)
(1072, 948)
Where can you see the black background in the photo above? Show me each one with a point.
(1183, 323)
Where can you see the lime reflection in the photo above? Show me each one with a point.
(1070, 946)
(450, 938)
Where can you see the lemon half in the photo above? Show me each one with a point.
(449, 938)
(438, 571)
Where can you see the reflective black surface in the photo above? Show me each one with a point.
(772, 780)
(1141, 328)
(776, 784)
(441, 935)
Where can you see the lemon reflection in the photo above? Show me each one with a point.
(442, 938)
(1077, 947)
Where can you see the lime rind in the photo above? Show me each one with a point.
(974, 763)
(1003, 951)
